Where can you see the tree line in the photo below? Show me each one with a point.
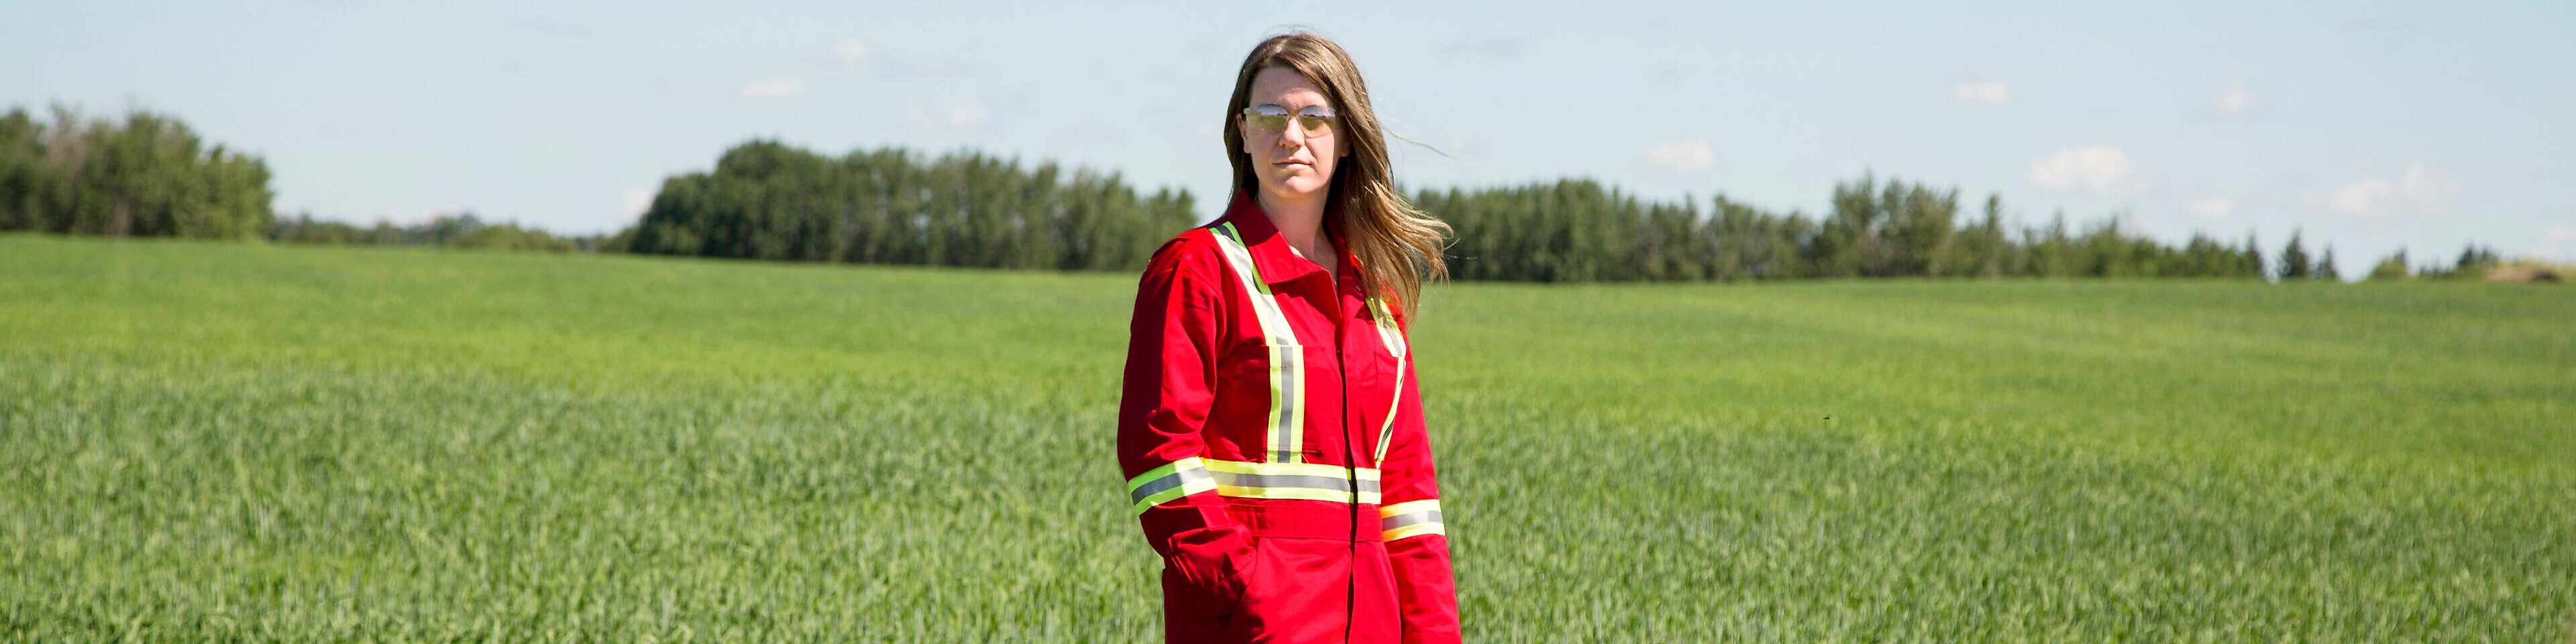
(1581, 231)
(766, 200)
(458, 230)
(150, 175)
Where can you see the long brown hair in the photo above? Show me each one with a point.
(1398, 246)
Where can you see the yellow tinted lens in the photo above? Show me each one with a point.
(1271, 123)
(1315, 124)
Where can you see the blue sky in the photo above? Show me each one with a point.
(2370, 126)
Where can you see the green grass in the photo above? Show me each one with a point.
(203, 442)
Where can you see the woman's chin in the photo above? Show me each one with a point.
(1297, 189)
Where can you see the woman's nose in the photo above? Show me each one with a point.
(1294, 137)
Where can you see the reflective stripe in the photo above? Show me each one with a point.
(1171, 481)
(1410, 519)
(1387, 331)
(1287, 394)
(1287, 357)
(1309, 481)
(1393, 336)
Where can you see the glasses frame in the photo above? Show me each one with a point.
(1313, 124)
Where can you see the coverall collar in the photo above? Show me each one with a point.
(1270, 250)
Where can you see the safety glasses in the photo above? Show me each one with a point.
(1273, 119)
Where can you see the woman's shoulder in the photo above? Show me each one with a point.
(1189, 266)
(1194, 250)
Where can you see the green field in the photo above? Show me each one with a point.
(203, 442)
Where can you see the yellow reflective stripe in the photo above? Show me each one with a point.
(1408, 507)
(1171, 481)
(1299, 493)
(1414, 530)
(1308, 481)
(1386, 429)
(1239, 258)
(1387, 331)
(1411, 519)
(1393, 336)
(1291, 469)
(1287, 397)
(1286, 434)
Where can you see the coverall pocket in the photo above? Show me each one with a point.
(1244, 618)
(1298, 590)
(1252, 382)
(1252, 364)
(1241, 574)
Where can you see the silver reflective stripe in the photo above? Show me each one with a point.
(1387, 330)
(1177, 478)
(1409, 518)
(1173, 480)
(1287, 358)
(1393, 336)
(1287, 396)
(1335, 484)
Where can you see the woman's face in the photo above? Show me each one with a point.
(1292, 165)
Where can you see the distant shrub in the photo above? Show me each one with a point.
(463, 230)
(149, 175)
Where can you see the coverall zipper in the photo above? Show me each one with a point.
(1341, 372)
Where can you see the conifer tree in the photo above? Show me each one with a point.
(2254, 256)
(2294, 260)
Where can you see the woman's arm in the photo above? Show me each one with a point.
(1417, 542)
(1168, 391)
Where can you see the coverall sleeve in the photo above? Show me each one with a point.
(1417, 543)
(1164, 401)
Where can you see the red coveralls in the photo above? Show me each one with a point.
(1255, 430)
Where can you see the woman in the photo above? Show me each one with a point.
(1270, 426)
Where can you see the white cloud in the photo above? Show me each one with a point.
(2358, 197)
(1682, 156)
(2562, 235)
(638, 200)
(2087, 168)
(851, 52)
(2233, 100)
(2212, 208)
(1989, 91)
(2418, 190)
(781, 88)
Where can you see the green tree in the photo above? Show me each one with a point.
(2473, 264)
(2391, 268)
(1980, 250)
(767, 200)
(2254, 256)
(148, 175)
(2294, 260)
